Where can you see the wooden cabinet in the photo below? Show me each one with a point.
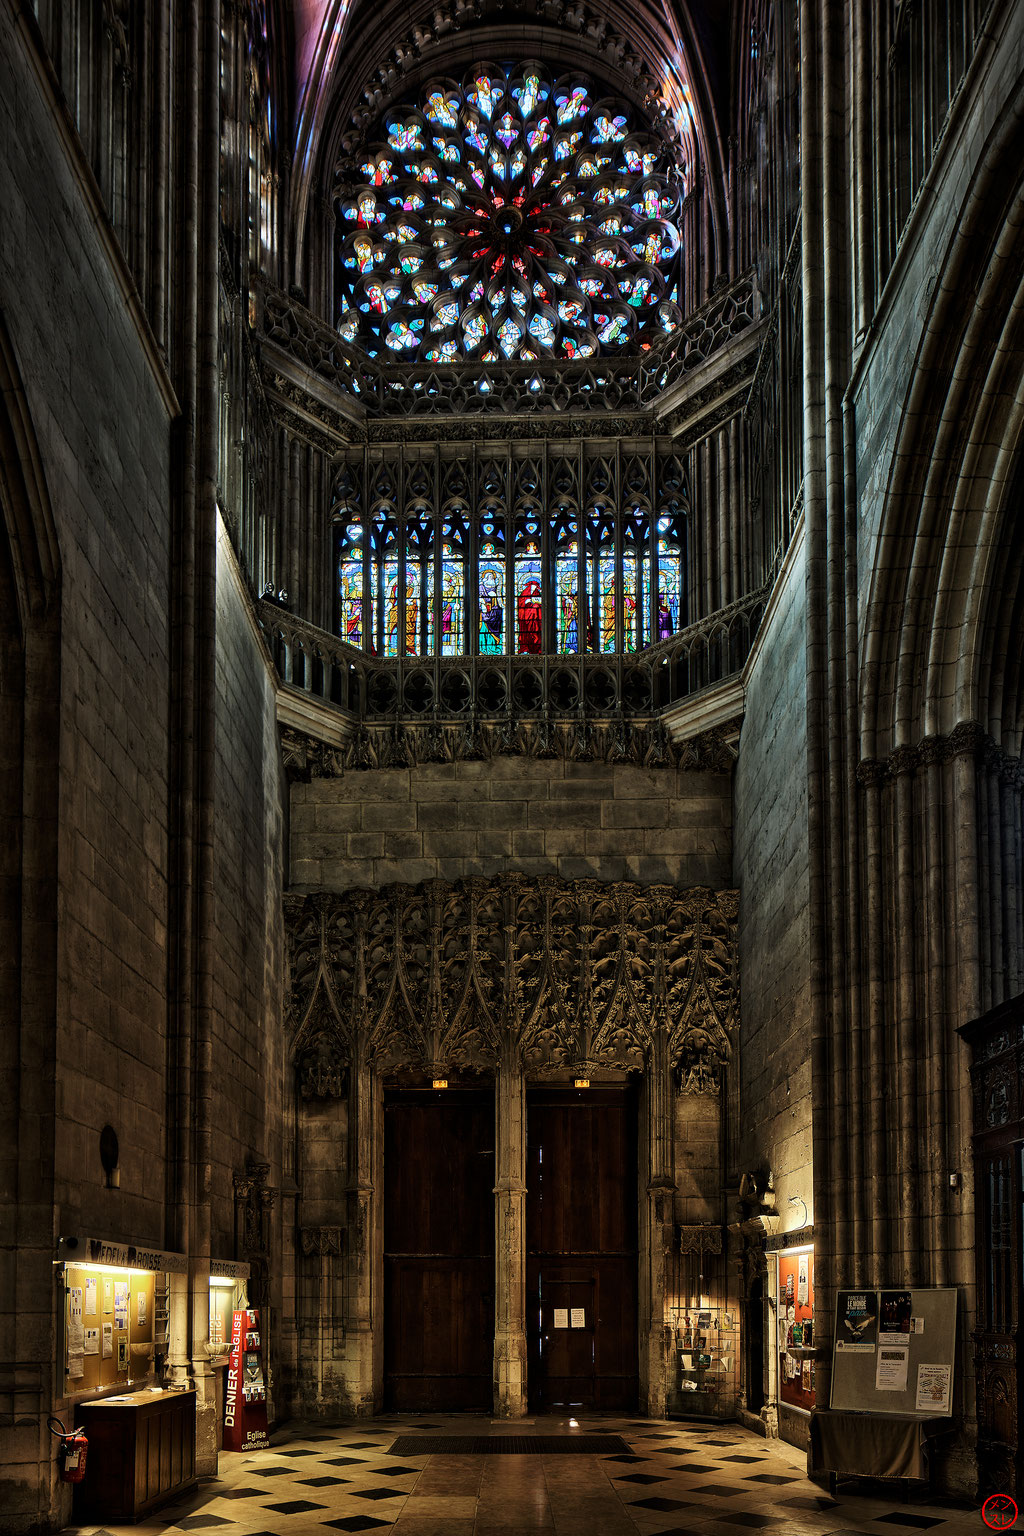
(142, 1452)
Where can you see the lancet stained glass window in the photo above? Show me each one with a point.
(582, 553)
(511, 218)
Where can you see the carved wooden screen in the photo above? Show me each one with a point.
(997, 1042)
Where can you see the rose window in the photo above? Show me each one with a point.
(510, 219)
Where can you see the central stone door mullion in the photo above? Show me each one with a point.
(510, 1240)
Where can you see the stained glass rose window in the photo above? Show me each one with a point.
(511, 218)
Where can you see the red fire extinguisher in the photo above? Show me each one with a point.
(71, 1452)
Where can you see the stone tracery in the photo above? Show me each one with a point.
(512, 218)
(577, 974)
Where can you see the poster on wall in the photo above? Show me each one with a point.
(894, 1320)
(120, 1303)
(857, 1312)
(933, 1388)
(90, 1298)
(801, 1282)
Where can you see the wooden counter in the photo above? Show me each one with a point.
(142, 1452)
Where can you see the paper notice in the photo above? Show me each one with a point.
(92, 1341)
(122, 1353)
(90, 1298)
(561, 1317)
(76, 1367)
(805, 1376)
(801, 1282)
(933, 1388)
(577, 1318)
(894, 1317)
(686, 1360)
(108, 1295)
(108, 1341)
(75, 1303)
(121, 1303)
(142, 1309)
(76, 1335)
(916, 1325)
(891, 1368)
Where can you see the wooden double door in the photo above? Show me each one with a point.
(581, 1240)
(439, 1258)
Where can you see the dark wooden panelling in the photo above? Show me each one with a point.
(581, 1228)
(438, 1251)
(141, 1453)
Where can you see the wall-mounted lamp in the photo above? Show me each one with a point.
(582, 1082)
(440, 1082)
(796, 1200)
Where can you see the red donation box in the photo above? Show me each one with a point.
(245, 1395)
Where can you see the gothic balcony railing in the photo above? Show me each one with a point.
(632, 384)
(457, 689)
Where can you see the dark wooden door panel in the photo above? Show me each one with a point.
(582, 1253)
(439, 1174)
(438, 1252)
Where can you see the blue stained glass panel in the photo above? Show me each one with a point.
(491, 604)
(567, 586)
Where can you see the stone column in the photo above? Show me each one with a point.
(656, 1227)
(510, 1238)
(322, 1244)
(359, 1318)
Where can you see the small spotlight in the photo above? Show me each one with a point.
(573, 1424)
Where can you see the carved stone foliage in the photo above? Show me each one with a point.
(454, 976)
(307, 757)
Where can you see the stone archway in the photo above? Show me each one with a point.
(519, 977)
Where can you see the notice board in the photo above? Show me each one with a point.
(893, 1351)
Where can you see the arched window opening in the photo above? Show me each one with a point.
(559, 556)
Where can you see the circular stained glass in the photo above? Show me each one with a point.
(511, 218)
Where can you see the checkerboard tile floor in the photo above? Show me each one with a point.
(680, 1480)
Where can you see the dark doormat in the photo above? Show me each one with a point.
(508, 1445)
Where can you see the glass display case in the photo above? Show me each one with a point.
(705, 1330)
(796, 1329)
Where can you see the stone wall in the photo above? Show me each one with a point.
(249, 825)
(101, 412)
(101, 421)
(450, 820)
(771, 872)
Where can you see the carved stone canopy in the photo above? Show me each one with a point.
(548, 972)
(704, 1237)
